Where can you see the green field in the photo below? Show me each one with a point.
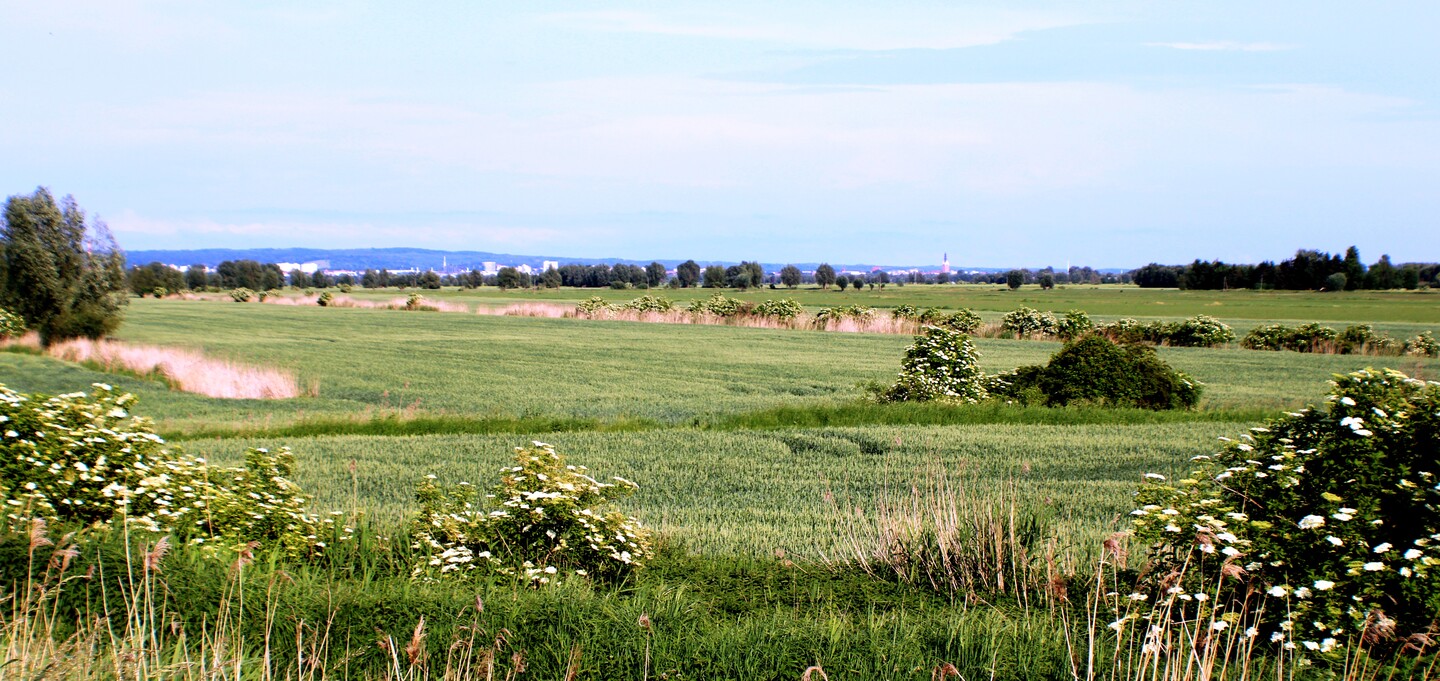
(748, 445)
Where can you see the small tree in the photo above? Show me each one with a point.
(654, 274)
(508, 278)
(790, 276)
(1014, 279)
(1047, 281)
(842, 282)
(64, 275)
(824, 275)
(688, 273)
(715, 277)
(1336, 282)
(551, 278)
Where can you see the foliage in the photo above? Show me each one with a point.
(942, 365)
(1201, 331)
(1313, 337)
(1336, 510)
(783, 309)
(241, 295)
(719, 306)
(592, 306)
(1027, 321)
(824, 275)
(84, 460)
(830, 314)
(1074, 324)
(1014, 279)
(11, 324)
(649, 304)
(325, 299)
(1098, 370)
(905, 311)
(415, 301)
(964, 321)
(63, 275)
(1423, 344)
(542, 522)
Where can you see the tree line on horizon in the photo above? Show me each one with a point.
(1308, 270)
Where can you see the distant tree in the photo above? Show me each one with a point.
(370, 279)
(429, 280)
(1354, 269)
(655, 274)
(1335, 282)
(1409, 278)
(195, 277)
(715, 277)
(1014, 278)
(1047, 281)
(321, 280)
(842, 282)
(688, 273)
(551, 278)
(1382, 275)
(143, 280)
(824, 275)
(65, 277)
(508, 278)
(299, 279)
(884, 278)
(790, 276)
(1156, 275)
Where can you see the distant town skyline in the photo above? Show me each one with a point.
(1017, 133)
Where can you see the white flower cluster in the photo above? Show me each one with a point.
(943, 365)
(539, 523)
(84, 460)
(1336, 511)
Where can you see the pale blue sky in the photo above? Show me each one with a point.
(1006, 133)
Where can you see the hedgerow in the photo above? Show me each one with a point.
(1097, 370)
(783, 309)
(544, 521)
(1334, 511)
(241, 295)
(1026, 322)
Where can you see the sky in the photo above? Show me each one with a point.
(1005, 133)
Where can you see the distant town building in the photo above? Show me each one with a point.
(307, 268)
(945, 264)
(525, 269)
(490, 267)
(548, 265)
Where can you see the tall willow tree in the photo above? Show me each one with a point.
(64, 276)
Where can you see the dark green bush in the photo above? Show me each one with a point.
(1097, 370)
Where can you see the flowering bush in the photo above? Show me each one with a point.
(942, 365)
(1423, 344)
(649, 304)
(1074, 324)
(718, 305)
(831, 314)
(325, 299)
(160, 292)
(540, 523)
(1029, 322)
(964, 321)
(593, 306)
(1336, 510)
(241, 295)
(11, 324)
(1201, 331)
(84, 460)
(783, 309)
(905, 312)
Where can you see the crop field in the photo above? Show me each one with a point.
(760, 457)
(368, 363)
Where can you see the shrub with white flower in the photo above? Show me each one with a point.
(84, 460)
(1030, 322)
(942, 365)
(1336, 510)
(827, 315)
(649, 303)
(542, 523)
(783, 309)
(718, 305)
(241, 295)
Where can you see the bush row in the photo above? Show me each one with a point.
(1359, 338)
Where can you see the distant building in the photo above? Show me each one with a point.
(945, 264)
(307, 268)
(548, 265)
(525, 269)
(490, 267)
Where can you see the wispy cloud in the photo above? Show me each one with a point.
(1225, 46)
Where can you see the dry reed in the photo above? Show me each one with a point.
(184, 369)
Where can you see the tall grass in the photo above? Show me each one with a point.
(183, 369)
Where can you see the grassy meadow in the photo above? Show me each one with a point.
(755, 451)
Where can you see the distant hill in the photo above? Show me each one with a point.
(421, 258)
